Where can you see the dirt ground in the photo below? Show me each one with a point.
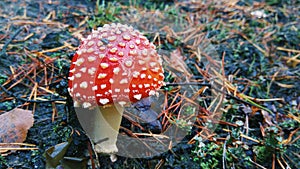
(38, 39)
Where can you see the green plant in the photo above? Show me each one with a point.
(105, 14)
(272, 145)
(3, 163)
(3, 78)
(207, 154)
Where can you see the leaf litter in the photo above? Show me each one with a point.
(13, 130)
(252, 44)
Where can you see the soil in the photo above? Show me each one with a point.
(38, 39)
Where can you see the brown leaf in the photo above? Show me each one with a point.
(14, 125)
(267, 117)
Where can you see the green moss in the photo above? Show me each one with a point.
(3, 163)
(3, 78)
(208, 154)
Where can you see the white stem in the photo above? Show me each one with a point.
(102, 126)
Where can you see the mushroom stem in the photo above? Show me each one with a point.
(102, 126)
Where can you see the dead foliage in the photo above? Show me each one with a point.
(13, 130)
(231, 71)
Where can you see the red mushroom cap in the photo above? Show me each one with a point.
(114, 64)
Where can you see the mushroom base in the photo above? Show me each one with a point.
(102, 126)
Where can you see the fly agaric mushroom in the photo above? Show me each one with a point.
(114, 66)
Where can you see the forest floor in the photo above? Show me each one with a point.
(232, 69)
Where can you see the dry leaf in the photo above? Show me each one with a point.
(14, 126)
(267, 117)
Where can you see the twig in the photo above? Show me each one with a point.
(185, 84)
(248, 102)
(256, 46)
(288, 50)
(249, 138)
(224, 153)
(20, 148)
(28, 100)
(91, 155)
(3, 52)
(160, 164)
(18, 144)
(258, 165)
